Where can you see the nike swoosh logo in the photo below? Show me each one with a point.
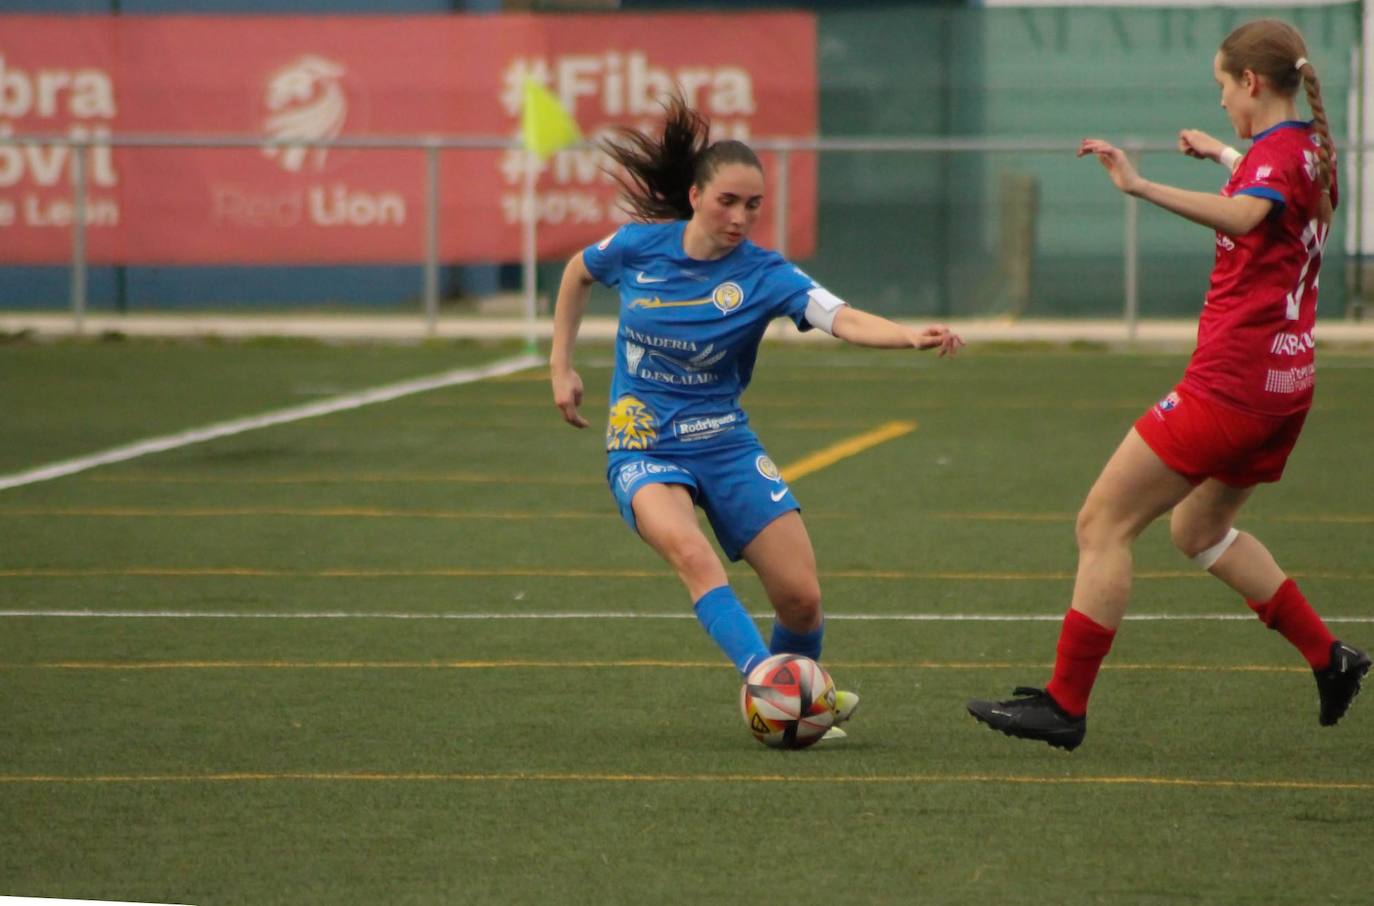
(644, 278)
(778, 494)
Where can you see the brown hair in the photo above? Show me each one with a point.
(659, 171)
(1272, 48)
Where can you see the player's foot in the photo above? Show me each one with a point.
(1033, 714)
(1339, 683)
(846, 703)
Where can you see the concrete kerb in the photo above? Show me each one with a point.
(1165, 334)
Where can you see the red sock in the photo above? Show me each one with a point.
(1082, 646)
(1289, 614)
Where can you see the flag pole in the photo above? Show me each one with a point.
(545, 126)
(528, 253)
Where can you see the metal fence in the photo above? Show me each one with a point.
(780, 149)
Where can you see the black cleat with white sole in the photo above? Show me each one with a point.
(1339, 683)
(1033, 714)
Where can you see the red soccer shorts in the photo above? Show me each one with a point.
(1199, 439)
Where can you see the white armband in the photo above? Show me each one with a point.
(821, 308)
(1228, 158)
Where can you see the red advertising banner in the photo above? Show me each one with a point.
(321, 78)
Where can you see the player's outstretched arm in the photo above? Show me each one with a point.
(1234, 216)
(573, 294)
(864, 329)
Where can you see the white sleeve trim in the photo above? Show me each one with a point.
(821, 308)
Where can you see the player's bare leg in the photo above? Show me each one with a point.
(667, 521)
(785, 562)
(666, 518)
(782, 557)
(1201, 525)
(1204, 518)
(1134, 489)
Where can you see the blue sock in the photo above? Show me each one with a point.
(807, 644)
(730, 626)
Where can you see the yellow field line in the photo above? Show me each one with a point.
(306, 512)
(988, 516)
(256, 572)
(518, 664)
(540, 423)
(361, 478)
(763, 403)
(792, 472)
(358, 665)
(1313, 518)
(565, 573)
(127, 512)
(845, 449)
(581, 777)
(1350, 519)
(334, 512)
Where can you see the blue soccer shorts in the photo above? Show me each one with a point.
(738, 486)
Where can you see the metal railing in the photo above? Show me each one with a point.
(433, 146)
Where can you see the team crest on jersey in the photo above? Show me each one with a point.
(631, 425)
(767, 468)
(1169, 403)
(727, 297)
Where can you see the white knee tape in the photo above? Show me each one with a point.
(1209, 557)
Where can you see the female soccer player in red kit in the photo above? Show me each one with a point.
(1232, 421)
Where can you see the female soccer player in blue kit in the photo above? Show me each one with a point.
(695, 298)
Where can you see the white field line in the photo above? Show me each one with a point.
(47, 901)
(295, 413)
(615, 615)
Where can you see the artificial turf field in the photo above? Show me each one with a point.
(410, 654)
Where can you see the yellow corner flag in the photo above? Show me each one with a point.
(545, 126)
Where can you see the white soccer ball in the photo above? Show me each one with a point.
(788, 701)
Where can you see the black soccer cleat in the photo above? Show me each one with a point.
(1339, 683)
(1034, 714)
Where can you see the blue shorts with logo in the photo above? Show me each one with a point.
(737, 485)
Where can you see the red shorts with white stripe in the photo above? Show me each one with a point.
(1200, 438)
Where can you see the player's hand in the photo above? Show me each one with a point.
(1196, 143)
(937, 336)
(1117, 164)
(567, 396)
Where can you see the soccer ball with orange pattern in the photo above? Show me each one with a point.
(788, 701)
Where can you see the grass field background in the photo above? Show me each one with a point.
(410, 654)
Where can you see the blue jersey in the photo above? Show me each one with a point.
(689, 333)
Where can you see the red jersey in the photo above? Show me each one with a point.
(1255, 348)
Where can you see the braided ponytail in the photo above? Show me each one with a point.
(1325, 147)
